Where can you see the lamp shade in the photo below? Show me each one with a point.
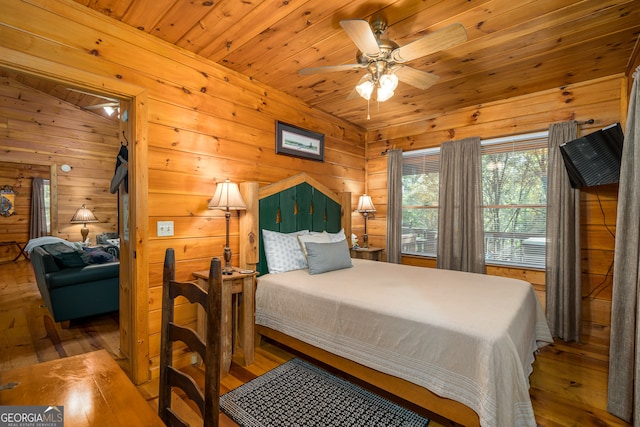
(227, 197)
(365, 204)
(83, 215)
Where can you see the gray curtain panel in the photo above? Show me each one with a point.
(624, 352)
(460, 223)
(38, 221)
(563, 275)
(394, 206)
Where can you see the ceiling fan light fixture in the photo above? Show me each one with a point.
(384, 94)
(365, 89)
(109, 110)
(389, 82)
(386, 85)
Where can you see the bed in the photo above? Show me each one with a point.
(460, 345)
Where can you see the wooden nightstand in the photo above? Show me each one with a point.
(367, 253)
(237, 325)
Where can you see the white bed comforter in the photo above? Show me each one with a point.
(464, 336)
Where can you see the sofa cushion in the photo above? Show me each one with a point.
(89, 273)
(97, 256)
(65, 256)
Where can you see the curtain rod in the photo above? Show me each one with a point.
(515, 137)
(586, 122)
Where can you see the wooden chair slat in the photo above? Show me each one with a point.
(209, 349)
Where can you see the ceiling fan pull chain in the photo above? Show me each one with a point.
(369, 109)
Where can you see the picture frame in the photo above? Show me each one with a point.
(294, 141)
(7, 200)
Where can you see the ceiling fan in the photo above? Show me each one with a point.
(385, 59)
(112, 105)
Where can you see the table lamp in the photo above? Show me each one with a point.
(82, 216)
(365, 205)
(227, 197)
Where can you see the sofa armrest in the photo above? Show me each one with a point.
(43, 262)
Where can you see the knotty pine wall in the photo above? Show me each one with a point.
(205, 124)
(602, 100)
(39, 131)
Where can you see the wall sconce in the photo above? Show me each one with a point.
(365, 205)
(227, 197)
(82, 216)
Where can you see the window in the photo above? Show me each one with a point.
(420, 183)
(514, 173)
(514, 187)
(47, 202)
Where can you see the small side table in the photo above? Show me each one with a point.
(367, 253)
(21, 251)
(233, 286)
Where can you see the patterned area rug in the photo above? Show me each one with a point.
(297, 393)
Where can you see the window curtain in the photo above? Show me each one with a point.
(394, 206)
(460, 224)
(563, 275)
(38, 221)
(624, 353)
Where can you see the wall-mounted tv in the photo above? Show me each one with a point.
(594, 159)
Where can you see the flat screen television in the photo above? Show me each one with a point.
(594, 159)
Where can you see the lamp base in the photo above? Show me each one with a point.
(84, 231)
(228, 269)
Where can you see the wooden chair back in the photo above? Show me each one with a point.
(209, 349)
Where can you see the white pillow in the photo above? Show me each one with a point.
(283, 251)
(316, 238)
(333, 237)
(337, 237)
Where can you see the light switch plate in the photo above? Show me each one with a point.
(165, 228)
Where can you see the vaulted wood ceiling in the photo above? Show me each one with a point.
(514, 47)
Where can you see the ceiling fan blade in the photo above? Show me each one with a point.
(360, 32)
(99, 106)
(329, 69)
(353, 94)
(442, 39)
(416, 78)
(92, 94)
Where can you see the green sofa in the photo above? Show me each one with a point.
(77, 291)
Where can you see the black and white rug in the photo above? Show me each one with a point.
(299, 394)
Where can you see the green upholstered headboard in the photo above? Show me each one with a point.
(295, 204)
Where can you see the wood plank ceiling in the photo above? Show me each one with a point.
(514, 47)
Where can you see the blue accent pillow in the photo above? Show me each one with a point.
(324, 257)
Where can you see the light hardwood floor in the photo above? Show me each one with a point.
(568, 385)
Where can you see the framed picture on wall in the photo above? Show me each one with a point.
(7, 200)
(294, 141)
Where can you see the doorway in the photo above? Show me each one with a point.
(131, 210)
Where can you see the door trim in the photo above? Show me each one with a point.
(137, 336)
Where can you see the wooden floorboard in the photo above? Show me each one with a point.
(568, 385)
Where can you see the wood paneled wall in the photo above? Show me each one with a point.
(205, 124)
(600, 100)
(39, 131)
